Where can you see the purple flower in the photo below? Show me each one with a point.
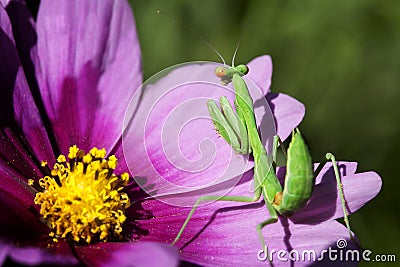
(66, 79)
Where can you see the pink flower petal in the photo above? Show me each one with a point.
(90, 67)
(260, 71)
(59, 254)
(20, 220)
(141, 254)
(325, 202)
(288, 113)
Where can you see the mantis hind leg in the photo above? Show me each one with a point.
(248, 199)
(331, 157)
(273, 219)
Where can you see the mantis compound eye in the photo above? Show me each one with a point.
(221, 72)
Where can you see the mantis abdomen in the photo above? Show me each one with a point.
(299, 178)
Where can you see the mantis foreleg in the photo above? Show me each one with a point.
(229, 125)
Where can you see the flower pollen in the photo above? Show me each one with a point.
(82, 199)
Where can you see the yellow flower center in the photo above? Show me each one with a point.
(82, 198)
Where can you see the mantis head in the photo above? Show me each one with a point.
(226, 73)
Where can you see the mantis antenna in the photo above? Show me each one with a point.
(237, 46)
(193, 32)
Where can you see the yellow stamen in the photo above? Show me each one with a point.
(82, 199)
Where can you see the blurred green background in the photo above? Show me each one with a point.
(340, 58)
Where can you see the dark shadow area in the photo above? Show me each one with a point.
(188, 264)
(14, 149)
(25, 39)
(267, 120)
(8, 75)
(132, 229)
(20, 223)
(33, 6)
(10, 263)
(285, 224)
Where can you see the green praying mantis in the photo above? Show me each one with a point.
(240, 131)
